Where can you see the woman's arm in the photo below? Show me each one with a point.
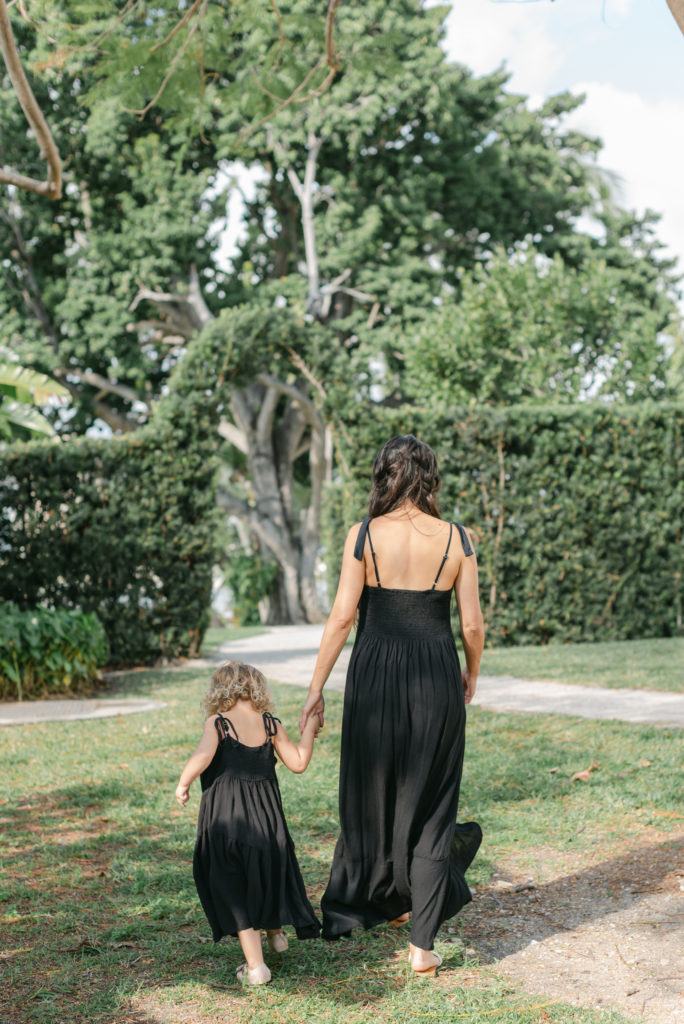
(340, 621)
(472, 623)
(200, 759)
(296, 756)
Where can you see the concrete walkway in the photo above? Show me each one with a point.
(31, 712)
(287, 654)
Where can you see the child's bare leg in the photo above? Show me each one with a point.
(250, 940)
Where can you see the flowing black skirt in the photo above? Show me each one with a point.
(403, 738)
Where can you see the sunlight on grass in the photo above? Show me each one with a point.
(648, 664)
(99, 909)
(219, 635)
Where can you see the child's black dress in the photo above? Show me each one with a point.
(245, 867)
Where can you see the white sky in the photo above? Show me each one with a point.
(626, 55)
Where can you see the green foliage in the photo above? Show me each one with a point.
(134, 213)
(20, 391)
(249, 578)
(577, 512)
(123, 528)
(530, 329)
(45, 652)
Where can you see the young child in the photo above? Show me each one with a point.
(245, 867)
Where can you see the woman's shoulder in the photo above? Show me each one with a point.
(354, 534)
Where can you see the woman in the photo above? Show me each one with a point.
(403, 729)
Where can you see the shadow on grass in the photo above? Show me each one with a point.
(110, 928)
(500, 923)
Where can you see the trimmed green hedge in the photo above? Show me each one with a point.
(577, 512)
(122, 527)
(43, 651)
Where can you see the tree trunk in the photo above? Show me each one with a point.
(274, 422)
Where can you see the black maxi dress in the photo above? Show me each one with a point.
(245, 866)
(403, 737)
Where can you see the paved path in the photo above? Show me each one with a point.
(288, 654)
(29, 712)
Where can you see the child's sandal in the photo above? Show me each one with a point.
(259, 976)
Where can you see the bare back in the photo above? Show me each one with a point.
(410, 552)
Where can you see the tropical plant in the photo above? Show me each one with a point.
(22, 391)
(44, 652)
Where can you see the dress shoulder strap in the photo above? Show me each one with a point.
(361, 540)
(465, 540)
(270, 724)
(444, 556)
(360, 544)
(224, 727)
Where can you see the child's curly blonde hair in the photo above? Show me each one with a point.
(232, 681)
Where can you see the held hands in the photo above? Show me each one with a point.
(182, 793)
(314, 705)
(469, 685)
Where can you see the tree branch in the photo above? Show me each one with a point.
(312, 414)
(264, 423)
(330, 59)
(304, 192)
(233, 434)
(103, 384)
(187, 313)
(52, 187)
(264, 528)
(175, 60)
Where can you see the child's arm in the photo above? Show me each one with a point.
(200, 759)
(296, 756)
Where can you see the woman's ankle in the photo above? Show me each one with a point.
(418, 955)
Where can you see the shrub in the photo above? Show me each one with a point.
(123, 527)
(249, 578)
(578, 513)
(46, 652)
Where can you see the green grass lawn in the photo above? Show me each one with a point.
(219, 635)
(100, 919)
(642, 664)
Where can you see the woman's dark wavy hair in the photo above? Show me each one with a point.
(405, 469)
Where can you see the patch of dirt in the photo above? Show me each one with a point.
(601, 935)
(147, 1010)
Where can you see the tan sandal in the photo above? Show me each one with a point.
(426, 972)
(277, 941)
(399, 921)
(258, 976)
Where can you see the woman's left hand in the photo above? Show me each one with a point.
(469, 684)
(314, 705)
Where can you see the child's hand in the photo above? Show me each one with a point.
(182, 794)
(313, 725)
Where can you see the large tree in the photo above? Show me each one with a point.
(398, 175)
